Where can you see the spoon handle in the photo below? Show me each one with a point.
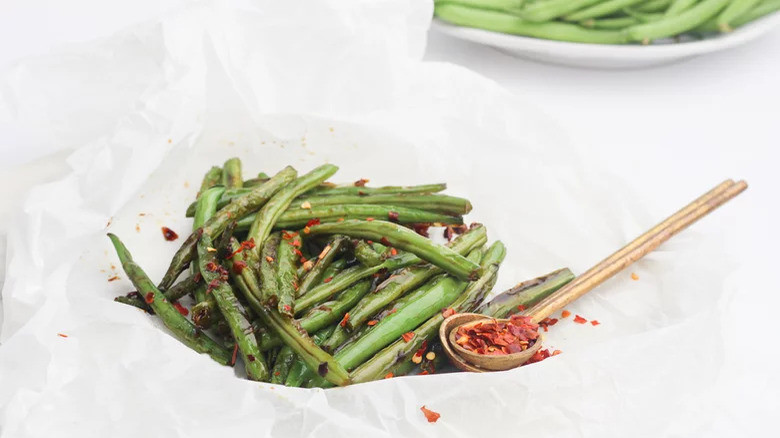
(637, 249)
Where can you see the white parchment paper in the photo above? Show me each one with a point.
(303, 83)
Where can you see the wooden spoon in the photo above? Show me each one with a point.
(602, 271)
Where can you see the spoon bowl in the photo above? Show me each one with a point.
(466, 360)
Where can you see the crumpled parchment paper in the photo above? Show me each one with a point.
(303, 83)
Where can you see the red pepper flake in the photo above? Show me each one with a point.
(521, 307)
(169, 234)
(114, 278)
(408, 336)
(594, 323)
(313, 222)
(287, 235)
(211, 266)
(296, 243)
(565, 314)
(539, 356)
(149, 297)
(306, 230)
(421, 229)
(579, 320)
(269, 259)
(238, 266)
(287, 308)
(197, 278)
(384, 241)
(235, 353)
(556, 352)
(62, 335)
(373, 322)
(277, 373)
(370, 242)
(392, 311)
(393, 216)
(213, 284)
(393, 251)
(322, 369)
(369, 219)
(499, 338)
(245, 245)
(344, 320)
(250, 357)
(634, 276)
(304, 261)
(430, 415)
(327, 280)
(297, 252)
(420, 351)
(388, 375)
(341, 219)
(449, 311)
(183, 310)
(424, 373)
(361, 182)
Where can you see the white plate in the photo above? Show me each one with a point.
(604, 55)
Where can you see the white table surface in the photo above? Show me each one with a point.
(671, 132)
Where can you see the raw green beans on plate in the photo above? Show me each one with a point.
(606, 21)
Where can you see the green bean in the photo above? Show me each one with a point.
(284, 361)
(324, 260)
(506, 23)
(601, 9)
(326, 189)
(286, 277)
(267, 271)
(526, 294)
(548, 10)
(212, 178)
(297, 218)
(670, 26)
(177, 323)
(237, 209)
(205, 311)
(764, 8)
(616, 23)
(233, 312)
(732, 12)
(269, 214)
(678, 6)
(231, 174)
(655, 6)
(365, 254)
(391, 234)
(298, 371)
(176, 291)
(444, 204)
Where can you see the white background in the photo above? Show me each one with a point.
(670, 132)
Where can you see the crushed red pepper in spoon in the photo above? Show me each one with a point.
(499, 338)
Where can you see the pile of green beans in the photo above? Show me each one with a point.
(605, 21)
(308, 283)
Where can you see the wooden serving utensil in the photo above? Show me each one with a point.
(621, 259)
